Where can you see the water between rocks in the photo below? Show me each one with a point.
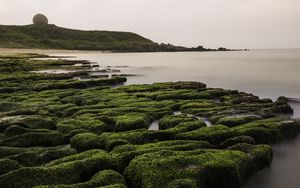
(154, 126)
(266, 73)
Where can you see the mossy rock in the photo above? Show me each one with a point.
(7, 165)
(68, 170)
(35, 139)
(39, 156)
(214, 134)
(7, 151)
(215, 93)
(186, 183)
(131, 121)
(188, 85)
(91, 125)
(85, 141)
(239, 139)
(174, 145)
(14, 130)
(170, 121)
(171, 133)
(209, 168)
(105, 178)
(198, 104)
(238, 120)
(32, 122)
(262, 155)
(133, 137)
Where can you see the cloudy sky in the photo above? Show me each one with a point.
(212, 23)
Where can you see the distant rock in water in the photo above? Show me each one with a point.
(40, 19)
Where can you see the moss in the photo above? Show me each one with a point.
(198, 104)
(261, 155)
(205, 112)
(102, 178)
(214, 134)
(32, 122)
(7, 151)
(91, 125)
(7, 106)
(170, 121)
(204, 167)
(156, 113)
(188, 85)
(131, 121)
(14, 130)
(186, 183)
(133, 137)
(35, 139)
(215, 93)
(40, 156)
(7, 165)
(62, 173)
(173, 145)
(289, 128)
(238, 120)
(239, 139)
(77, 157)
(111, 144)
(85, 141)
(171, 133)
(264, 131)
(208, 168)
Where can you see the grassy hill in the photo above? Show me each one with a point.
(54, 37)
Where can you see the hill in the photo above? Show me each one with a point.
(54, 37)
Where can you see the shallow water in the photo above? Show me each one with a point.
(266, 73)
(154, 126)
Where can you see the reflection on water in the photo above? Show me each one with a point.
(266, 73)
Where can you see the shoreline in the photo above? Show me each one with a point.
(7, 51)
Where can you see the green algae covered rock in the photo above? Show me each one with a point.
(238, 120)
(172, 120)
(203, 167)
(7, 165)
(105, 178)
(56, 131)
(85, 141)
(69, 170)
(32, 122)
(131, 121)
(35, 139)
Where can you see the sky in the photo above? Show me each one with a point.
(211, 23)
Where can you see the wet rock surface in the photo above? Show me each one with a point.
(58, 132)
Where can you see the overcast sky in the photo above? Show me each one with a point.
(211, 23)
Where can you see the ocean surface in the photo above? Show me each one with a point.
(266, 73)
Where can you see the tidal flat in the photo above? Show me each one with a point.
(61, 131)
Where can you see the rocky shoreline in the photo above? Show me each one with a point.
(57, 131)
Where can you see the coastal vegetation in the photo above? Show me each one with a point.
(60, 131)
(49, 36)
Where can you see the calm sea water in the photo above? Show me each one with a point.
(266, 73)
